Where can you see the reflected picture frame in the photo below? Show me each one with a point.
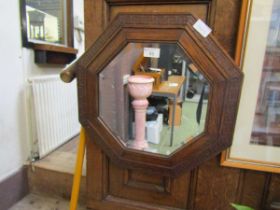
(69, 39)
(266, 157)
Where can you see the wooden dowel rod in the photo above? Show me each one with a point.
(68, 74)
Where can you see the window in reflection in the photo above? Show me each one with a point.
(46, 20)
(176, 91)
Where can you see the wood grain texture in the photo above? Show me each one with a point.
(96, 14)
(148, 188)
(209, 186)
(55, 48)
(111, 187)
(272, 194)
(251, 185)
(45, 181)
(56, 58)
(102, 11)
(225, 79)
(225, 23)
(216, 186)
(199, 9)
(151, 2)
(225, 29)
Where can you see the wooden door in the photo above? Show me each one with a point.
(210, 186)
(221, 15)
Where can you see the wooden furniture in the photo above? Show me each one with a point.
(178, 113)
(171, 86)
(140, 68)
(171, 89)
(51, 54)
(208, 186)
(224, 77)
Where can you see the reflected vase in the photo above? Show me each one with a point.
(140, 88)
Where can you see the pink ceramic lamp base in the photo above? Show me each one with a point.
(140, 87)
(140, 107)
(140, 145)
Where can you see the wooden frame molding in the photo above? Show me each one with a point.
(52, 54)
(225, 79)
(242, 33)
(102, 16)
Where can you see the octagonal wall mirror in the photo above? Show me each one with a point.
(157, 95)
(176, 107)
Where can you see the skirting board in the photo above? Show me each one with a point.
(13, 188)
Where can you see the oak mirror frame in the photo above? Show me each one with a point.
(220, 70)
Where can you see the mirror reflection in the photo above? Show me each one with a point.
(153, 97)
(46, 21)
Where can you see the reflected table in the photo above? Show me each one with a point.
(171, 89)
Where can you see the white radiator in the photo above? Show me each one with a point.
(55, 112)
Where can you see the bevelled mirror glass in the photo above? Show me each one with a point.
(154, 98)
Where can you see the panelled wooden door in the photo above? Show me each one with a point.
(209, 186)
(221, 15)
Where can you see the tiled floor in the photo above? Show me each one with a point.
(62, 159)
(38, 202)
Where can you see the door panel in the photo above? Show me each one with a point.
(154, 189)
(200, 10)
(102, 11)
(221, 15)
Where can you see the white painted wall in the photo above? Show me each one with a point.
(79, 12)
(13, 147)
(17, 64)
